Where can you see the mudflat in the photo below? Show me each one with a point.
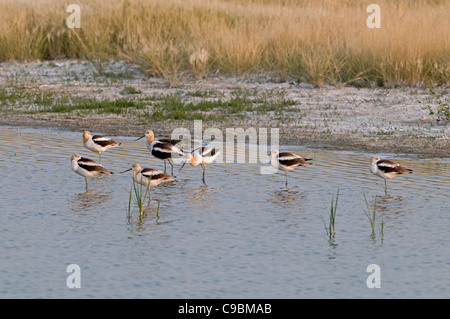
(116, 98)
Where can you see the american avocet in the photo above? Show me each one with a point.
(87, 167)
(144, 176)
(287, 161)
(202, 156)
(163, 149)
(387, 169)
(98, 143)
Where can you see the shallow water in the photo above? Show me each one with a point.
(242, 235)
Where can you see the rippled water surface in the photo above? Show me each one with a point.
(242, 235)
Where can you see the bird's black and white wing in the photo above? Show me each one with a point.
(154, 174)
(92, 166)
(165, 151)
(387, 166)
(169, 141)
(289, 159)
(103, 140)
(205, 151)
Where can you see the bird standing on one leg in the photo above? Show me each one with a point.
(98, 143)
(87, 167)
(287, 161)
(387, 169)
(202, 156)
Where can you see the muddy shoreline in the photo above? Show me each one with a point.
(375, 120)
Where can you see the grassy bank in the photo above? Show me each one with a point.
(312, 41)
(72, 95)
(176, 106)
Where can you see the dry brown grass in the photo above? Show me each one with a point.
(315, 41)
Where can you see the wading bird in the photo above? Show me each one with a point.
(163, 149)
(98, 143)
(202, 156)
(387, 169)
(287, 161)
(148, 176)
(87, 167)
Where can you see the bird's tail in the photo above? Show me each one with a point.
(406, 171)
(106, 171)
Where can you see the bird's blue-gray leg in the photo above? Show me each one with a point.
(203, 167)
(170, 162)
(286, 177)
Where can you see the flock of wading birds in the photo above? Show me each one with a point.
(166, 150)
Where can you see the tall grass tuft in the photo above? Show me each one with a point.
(331, 230)
(314, 41)
(138, 197)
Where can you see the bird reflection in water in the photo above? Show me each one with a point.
(388, 208)
(140, 223)
(150, 212)
(286, 195)
(203, 196)
(88, 200)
